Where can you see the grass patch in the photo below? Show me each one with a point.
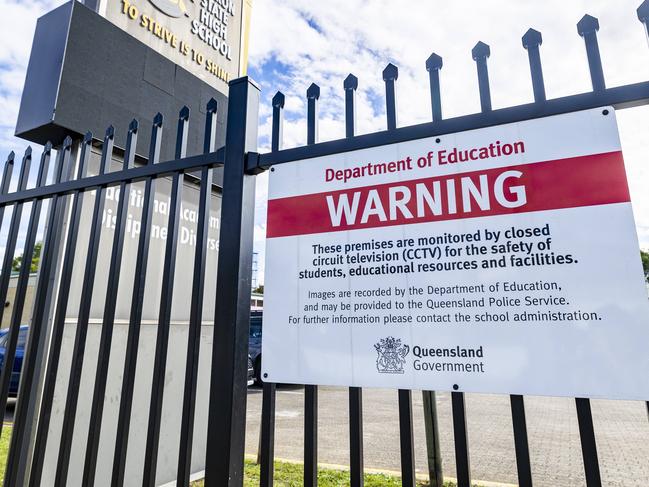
(290, 475)
(4, 449)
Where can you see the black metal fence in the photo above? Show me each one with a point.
(66, 193)
(225, 436)
(618, 97)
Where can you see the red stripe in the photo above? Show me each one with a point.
(597, 179)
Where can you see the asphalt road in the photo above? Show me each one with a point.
(621, 428)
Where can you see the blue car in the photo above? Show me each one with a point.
(254, 344)
(18, 361)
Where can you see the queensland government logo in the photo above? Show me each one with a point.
(391, 355)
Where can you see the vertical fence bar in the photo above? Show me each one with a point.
(14, 472)
(267, 439)
(135, 317)
(588, 444)
(431, 423)
(390, 75)
(461, 440)
(520, 441)
(406, 438)
(310, 390)
(108, 320)
(228, 387)
(166, 298)
(587, 28)
(480, 54)
(23, 277)
(14, 227)
(58, 324)
(531, 42)
(433, 66)
(355, 393)
(196, 306)
(74, 383)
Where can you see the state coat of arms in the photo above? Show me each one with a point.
(391, 355)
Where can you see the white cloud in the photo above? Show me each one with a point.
(323, 41)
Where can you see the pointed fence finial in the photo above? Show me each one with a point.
(181, 136)
(587, 28)
(433, 66)
(156, 139)
(351, 82)
(107, 149)
(391, 72)
(643, 12)
(278, 100)
(532, 39)
(85, 154)
(131, 144)
(480, 54)
(209, 143)
(313, 92)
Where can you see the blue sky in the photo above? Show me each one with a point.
(297, 42)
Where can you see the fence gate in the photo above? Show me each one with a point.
(225, 438)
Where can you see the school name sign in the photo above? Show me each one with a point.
(501, 260)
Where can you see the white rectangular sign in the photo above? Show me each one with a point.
(499, 260)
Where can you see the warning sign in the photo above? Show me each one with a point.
(499, 260)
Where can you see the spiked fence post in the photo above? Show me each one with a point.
(196, 304)
(135, 316)
(81, 333)
(480, 54)
(355, 393)
(587, 28)
(350, 85)
(643, 15)
(267, 434)
(58, 323)
(311, 391)
(531, 41)
(390, 75)
(166, 297)
(35, 349)
(312, 95)
(433, 66)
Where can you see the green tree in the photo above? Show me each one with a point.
(36, 259)
(260, 289)
(645, 263)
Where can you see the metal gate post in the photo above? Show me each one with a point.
(228, 385)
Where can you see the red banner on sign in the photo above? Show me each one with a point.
(597, 179)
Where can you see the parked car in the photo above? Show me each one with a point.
(254, 343)
(251, 372)
(18, 360)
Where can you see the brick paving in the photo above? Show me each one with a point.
(621, 428)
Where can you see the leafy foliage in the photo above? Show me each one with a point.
(36, 258)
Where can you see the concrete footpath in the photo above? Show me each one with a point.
(621, 428)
